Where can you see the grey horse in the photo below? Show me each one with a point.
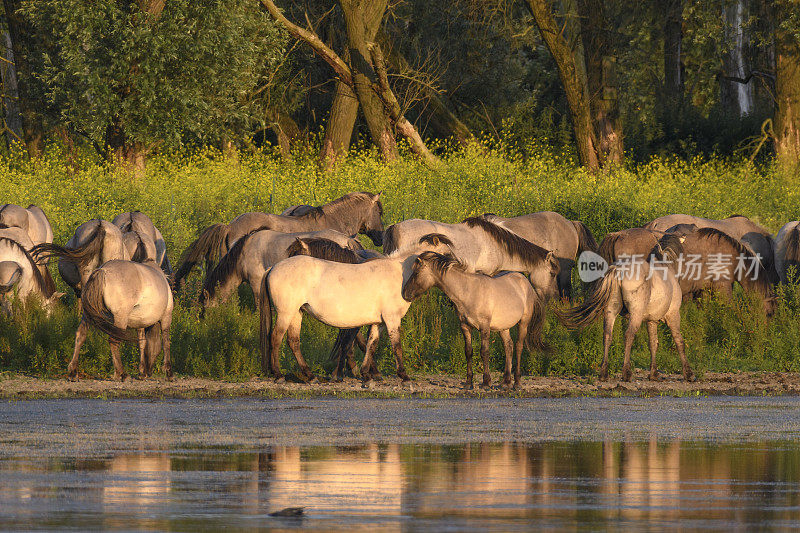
(481, 246)
(739, 227)
(787, 250)
(31, 219)
(487, 303)
(353, 213)
(252, 256)
(143, 224)
(19, 274)
(550, 230)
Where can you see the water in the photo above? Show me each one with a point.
(401, 464)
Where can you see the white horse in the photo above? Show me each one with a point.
(123, 295)
(487, 303)
(338, 294)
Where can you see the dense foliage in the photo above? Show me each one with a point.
(185, 193)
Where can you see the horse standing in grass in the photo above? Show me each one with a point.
(550, 230)
(739, 227)
(121, 295)
(19, 273)
(95, 242)
(647, 298)
(481, 246)
(487, 303)
(136, 221)
(787, 250)
(353, 213)
(31, 219)
(252, 256)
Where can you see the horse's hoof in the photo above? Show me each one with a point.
(121, 378)
(506, 385)
(377, 377)
(72, 377)
(312, 379)
(337, 379)
(169, 376)
(654, 376)
(516, 385)
(280, 380)
(626, 374)
(691, 378)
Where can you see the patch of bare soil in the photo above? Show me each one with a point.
(19, 386)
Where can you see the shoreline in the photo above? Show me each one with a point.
(17, 386)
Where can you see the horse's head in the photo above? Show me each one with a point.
(372, 223)
(427, 271)
(544, 276)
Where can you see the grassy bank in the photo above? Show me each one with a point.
(184, 194)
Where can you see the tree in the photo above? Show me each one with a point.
(365, 74)
(787, 82)
(673, 45)
(134, 76)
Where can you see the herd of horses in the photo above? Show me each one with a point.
(498, 273)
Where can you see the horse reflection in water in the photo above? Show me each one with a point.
(492, 486)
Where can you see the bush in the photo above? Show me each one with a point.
(184, 193)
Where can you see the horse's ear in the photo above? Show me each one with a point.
(377, 197)
(551, 258)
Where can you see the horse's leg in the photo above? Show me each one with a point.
(80, 338)
(673, 320)
(116, 357)
(486, 344)
(397, 348)
(466, 331)
(508, 347)
(165, 344)
(652, 337)
(630, 334)
(609, 318)
(361, 341)
(373, 369)
(143, 364)
(276, 340)
(369, 353)
(523, 332)
(293, 334)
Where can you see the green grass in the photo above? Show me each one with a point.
(185, 193)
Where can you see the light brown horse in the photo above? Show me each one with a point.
(353, 213)
(487, 303)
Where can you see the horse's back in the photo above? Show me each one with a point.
(19, 235)
(548, 229)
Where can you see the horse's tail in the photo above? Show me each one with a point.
(265, 324)
(586, 241)
(152, 347)
(95, 310)
(792, 251)
(208, 245)
(47, 278)
(583, 315)
(343, 343)
(80, 255)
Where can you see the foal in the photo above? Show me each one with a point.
(487, 303)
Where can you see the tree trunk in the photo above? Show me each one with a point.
(569, 71)
(13, 120)
(601, 80)
(21, 42)
(362, 19)
(734, 96)
(787, 114)
(341, 121)
(286, 130)
(673, 36)
(122, 150)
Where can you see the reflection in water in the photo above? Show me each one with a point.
(398, 487)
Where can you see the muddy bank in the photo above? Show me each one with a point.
(19, 386)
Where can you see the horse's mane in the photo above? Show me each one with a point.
(390, 239)
(607, 245)
(323, 249)
(761, 283)
(668, 248)
(228, 263)
(441, 263)
(435, 239)
(511, 242)
(346, 202)
(37, 275)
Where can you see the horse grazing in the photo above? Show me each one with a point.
(737, 226)
(252, 256)
(342, 295)
(136, 221)
(550, 230)
(353, 213)
(787, 250)
(94, 243)
(628, 243)
(124, 294)
(32, 220)
(713, 260)
(21, 236)
(481, 246)
(19, 273)
(487, 303)
(650, 298)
